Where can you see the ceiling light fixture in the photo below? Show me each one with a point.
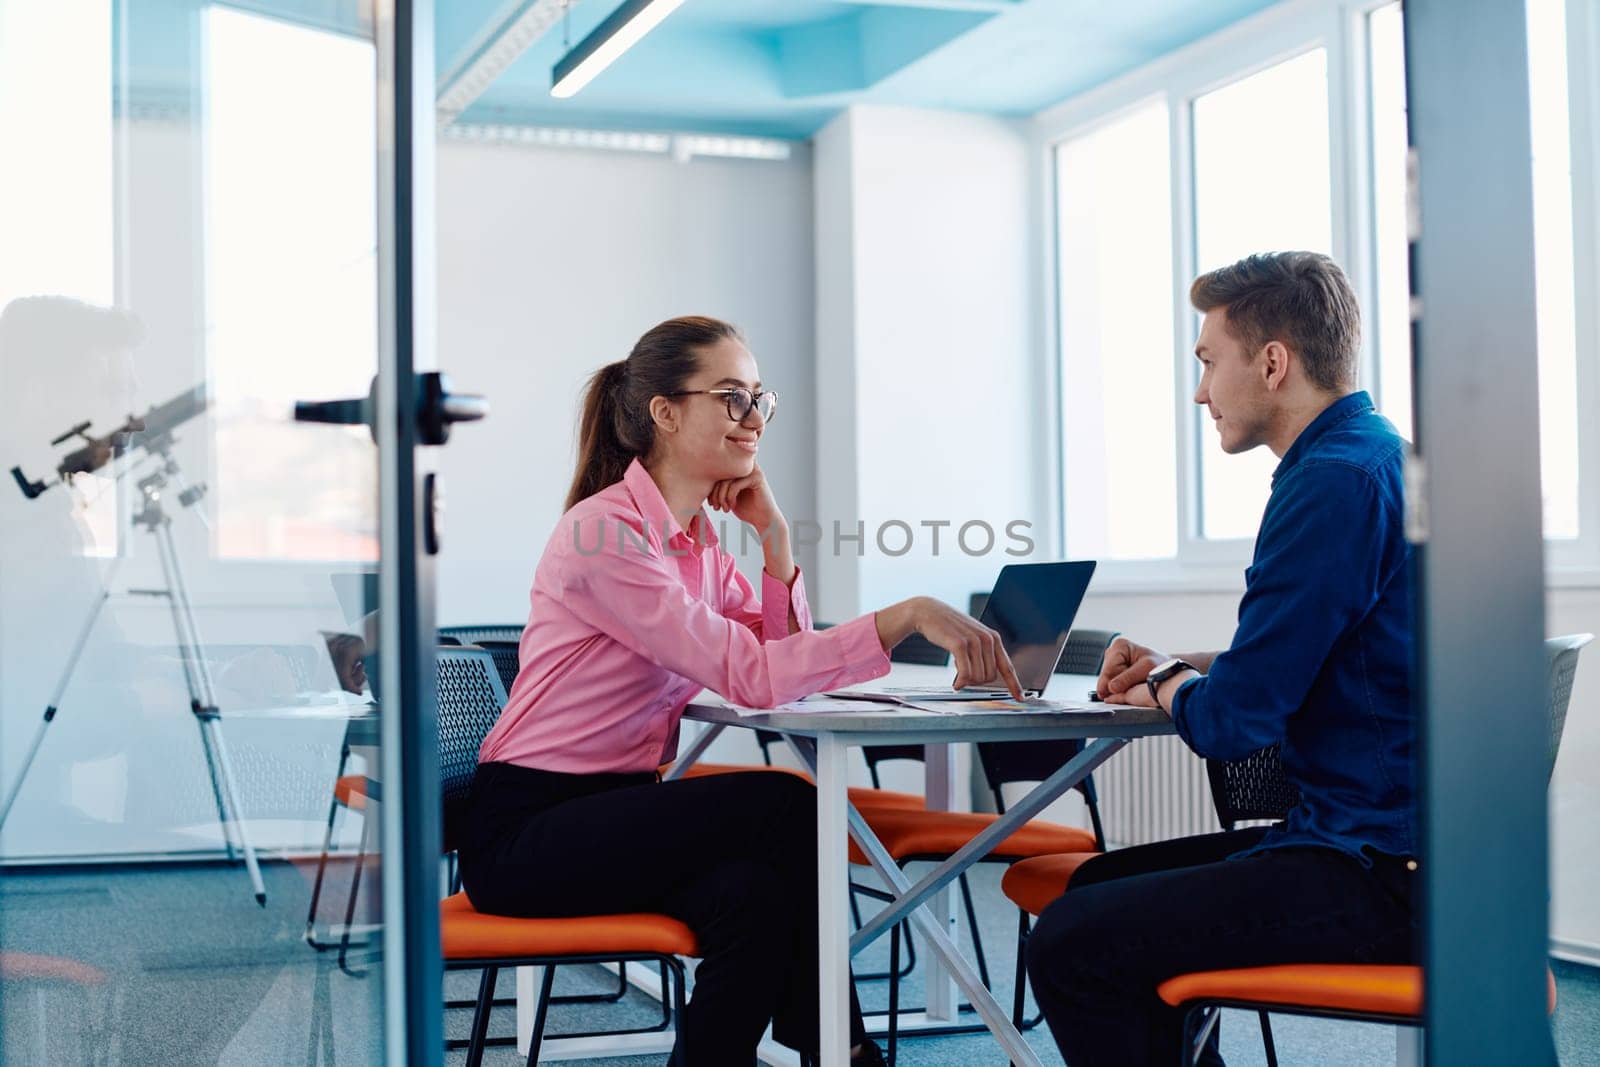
(682, 146)
(618, 33)
(492, 53)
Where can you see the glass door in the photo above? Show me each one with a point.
(215, 700)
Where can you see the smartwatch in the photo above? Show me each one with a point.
(1163, 672)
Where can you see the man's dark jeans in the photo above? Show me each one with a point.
(1133, 918)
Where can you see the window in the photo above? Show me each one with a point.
(1553, 265)
(1271, 136)
(1555, 292)
(1243, 205)
(56, 210)
(1147, 494)
(291, 283)
(1115, 276)
(1389, 321)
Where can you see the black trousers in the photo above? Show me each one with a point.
(1133, 918)
(733, 856)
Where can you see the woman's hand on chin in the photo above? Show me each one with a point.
(749, 498)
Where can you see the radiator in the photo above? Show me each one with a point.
(1155, 789)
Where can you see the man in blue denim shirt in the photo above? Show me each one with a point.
(1319, 664)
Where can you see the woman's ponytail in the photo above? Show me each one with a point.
(603, 452)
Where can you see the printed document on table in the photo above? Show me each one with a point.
(1027, 705)
(820, 705)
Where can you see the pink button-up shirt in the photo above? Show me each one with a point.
(630, 617)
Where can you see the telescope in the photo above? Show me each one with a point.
(151, 431)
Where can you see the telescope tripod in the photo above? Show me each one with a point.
(152, 516)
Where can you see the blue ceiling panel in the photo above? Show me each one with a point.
(777, 68)
(785, 67)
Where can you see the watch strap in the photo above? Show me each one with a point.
(1161, 674)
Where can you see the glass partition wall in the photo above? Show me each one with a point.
(188, 585)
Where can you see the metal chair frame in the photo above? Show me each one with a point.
(672, 973)
(1272, 792)
(458, 761)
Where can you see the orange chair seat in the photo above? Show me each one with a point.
(906, 834)
(1033, 884)
(351, 791)
(1377, 989)
(867, 800)
(1380, 990)
(27, 966)
(468, 934)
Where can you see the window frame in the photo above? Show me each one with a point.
(1576, 562)
(1247, 47)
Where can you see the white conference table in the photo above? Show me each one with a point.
(823, 740)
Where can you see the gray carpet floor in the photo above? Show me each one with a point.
(188, 970)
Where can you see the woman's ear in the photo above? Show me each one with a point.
(664, 414)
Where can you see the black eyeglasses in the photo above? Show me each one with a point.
(740, 401)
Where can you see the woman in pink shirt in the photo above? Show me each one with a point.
(635, 608)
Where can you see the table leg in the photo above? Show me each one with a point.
(940, 944)
(696, 750)
(980, 845)
(528, 981)
(939, 779)
(833, 902)
(1408, 1046)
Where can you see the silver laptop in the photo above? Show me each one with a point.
(1032, 608)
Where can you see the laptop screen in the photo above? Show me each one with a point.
(1032, 608)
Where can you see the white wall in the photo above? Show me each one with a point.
(924, 245)
(552, 262)
(927, 341)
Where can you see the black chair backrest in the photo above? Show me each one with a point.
(1561, 666)
(1251, 788)
(471, 698)
(1085, 648)
(876, 754)
(1085, 651)
(477, 635)
(507, 659)
(766, 739)
(1256, 788)
(1024, 761)
(1004, 762)
(918, 649)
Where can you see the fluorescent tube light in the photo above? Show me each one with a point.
(618, 33)
(686, 146)
(492, 53)
(560, 137)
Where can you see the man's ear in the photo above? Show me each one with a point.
(1275, 358)
(664, 414)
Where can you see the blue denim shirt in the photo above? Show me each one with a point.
(1321, 661)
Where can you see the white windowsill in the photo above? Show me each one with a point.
(1166, 578)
